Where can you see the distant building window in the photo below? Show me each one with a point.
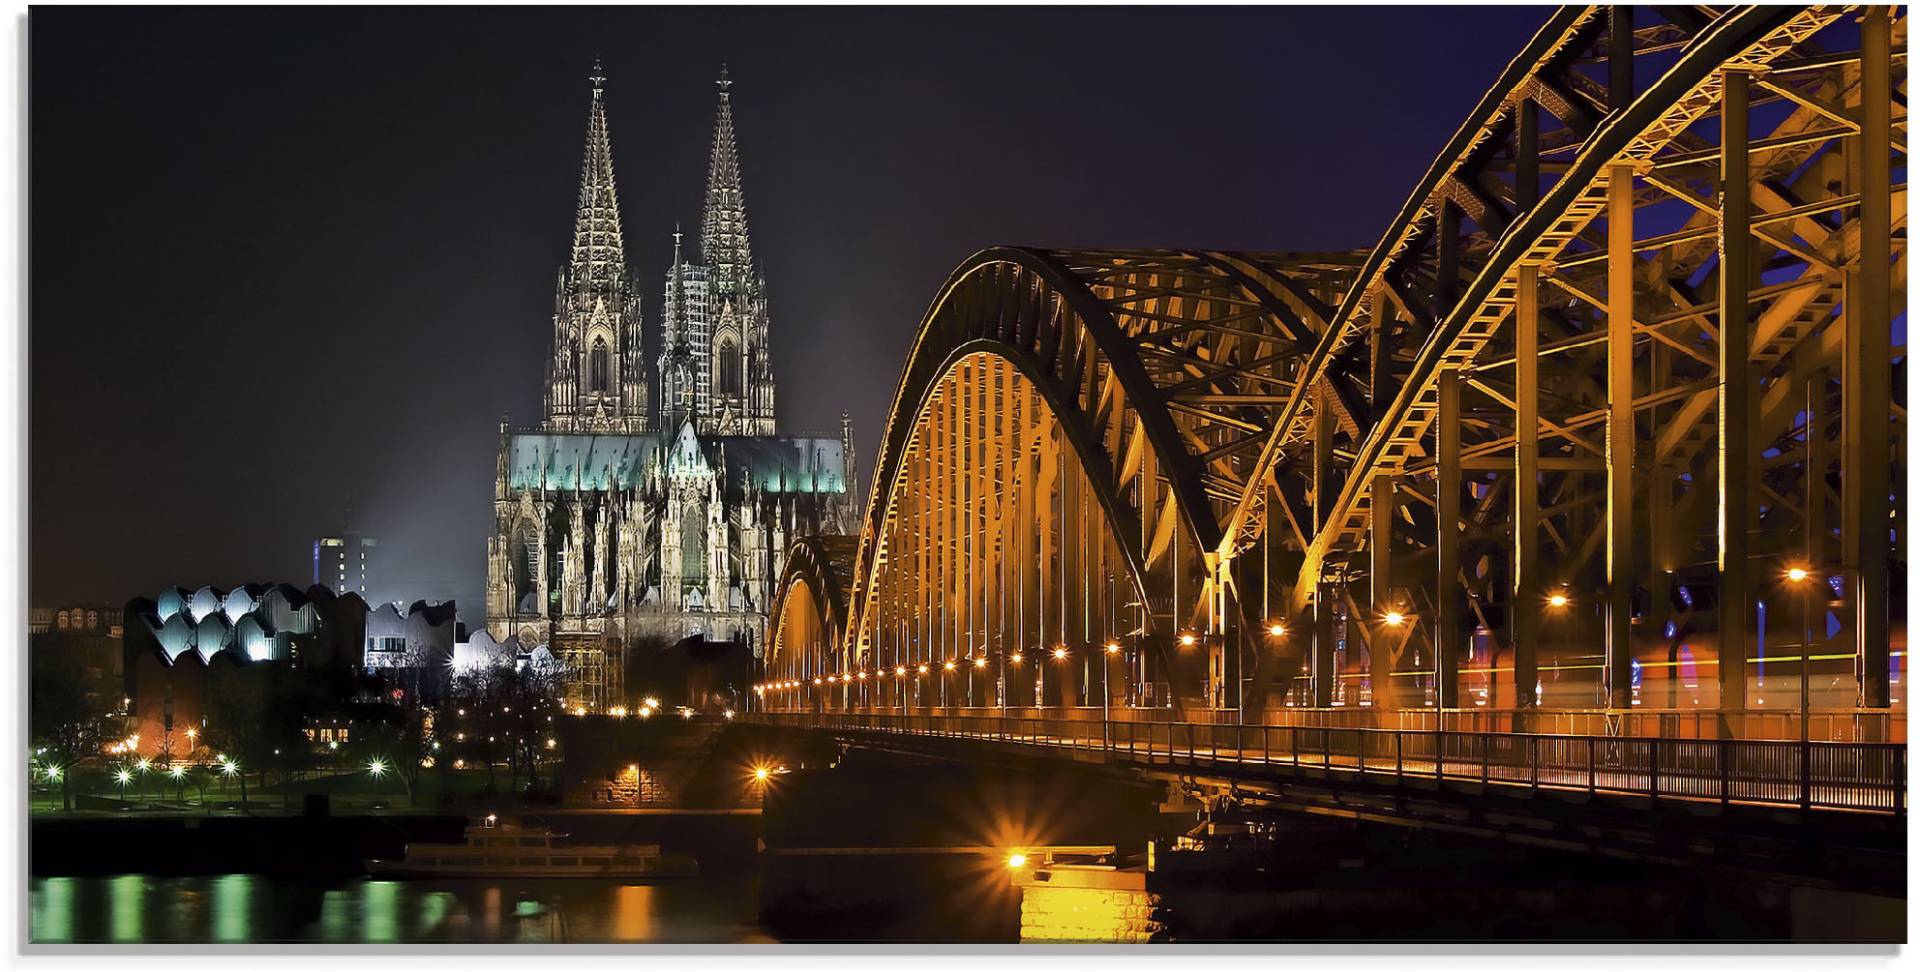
(93, 620)
(63, 621)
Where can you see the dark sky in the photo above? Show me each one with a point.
(286, 261)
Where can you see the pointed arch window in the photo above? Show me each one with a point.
(597, 366)
(726, 367)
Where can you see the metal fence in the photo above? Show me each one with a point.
(1821, 725)
(1810, 774)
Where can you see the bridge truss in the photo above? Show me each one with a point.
(1536, 450)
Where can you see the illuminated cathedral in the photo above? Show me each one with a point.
(625, 521)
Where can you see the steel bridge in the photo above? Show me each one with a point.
(1602, 440)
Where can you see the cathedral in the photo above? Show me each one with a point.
(625, 522)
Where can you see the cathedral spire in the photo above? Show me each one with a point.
(599, 258)
(723, 227)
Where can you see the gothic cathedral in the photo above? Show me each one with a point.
(621, 521)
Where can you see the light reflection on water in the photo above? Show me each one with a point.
(251, 908)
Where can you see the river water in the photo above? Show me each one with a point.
(252, 908)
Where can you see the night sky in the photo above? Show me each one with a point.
(284, 262)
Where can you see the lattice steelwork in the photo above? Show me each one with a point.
(1308, 470)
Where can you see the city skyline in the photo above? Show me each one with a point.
(334, 328)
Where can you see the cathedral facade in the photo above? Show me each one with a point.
(626, 521)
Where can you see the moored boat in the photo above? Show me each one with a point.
(496, 847)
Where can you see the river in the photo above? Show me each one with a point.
(252, 908)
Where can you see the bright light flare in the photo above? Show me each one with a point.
(1797, 574)
(1188, 640)
(1557, 599)
(1016, 860)
(1394, 619)
(1276, 629)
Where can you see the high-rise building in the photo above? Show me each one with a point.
(346, 561)
(619, 520)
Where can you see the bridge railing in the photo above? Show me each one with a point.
(1830, 725)
(1810, 775)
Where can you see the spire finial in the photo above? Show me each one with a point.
(676, 234)
(599, 76)
(725, 83)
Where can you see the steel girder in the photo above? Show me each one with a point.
(814, 583)
(1369, 416)
(1161, 368)
(1513, 206)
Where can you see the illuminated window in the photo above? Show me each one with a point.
(63, 621)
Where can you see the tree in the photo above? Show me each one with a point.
(256, 716)
(63, 721)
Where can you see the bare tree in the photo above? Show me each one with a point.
(63, 721)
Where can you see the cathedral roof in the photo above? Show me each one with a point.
(775, 464)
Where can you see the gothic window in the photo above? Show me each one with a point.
(726, 375)
(597, 366)
(526, 569)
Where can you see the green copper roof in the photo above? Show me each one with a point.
(777, 464)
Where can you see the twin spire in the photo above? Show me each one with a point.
(599, 253)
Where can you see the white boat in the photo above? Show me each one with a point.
(496, 847)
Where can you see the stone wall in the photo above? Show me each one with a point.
(1072, 905)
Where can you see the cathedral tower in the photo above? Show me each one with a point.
(597, 377)
(720, 304)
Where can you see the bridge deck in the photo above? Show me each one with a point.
(1827, 776)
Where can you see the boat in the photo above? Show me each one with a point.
(497, 847)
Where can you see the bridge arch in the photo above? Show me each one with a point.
(1372, 475)
(1139, 382)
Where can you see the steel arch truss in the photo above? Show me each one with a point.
(1518, 403)
(810, 607)
(1098, 410)
(1549, 309)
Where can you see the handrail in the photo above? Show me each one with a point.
(1810, 775)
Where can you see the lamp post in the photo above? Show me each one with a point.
(1802, 578)
(1106, 694)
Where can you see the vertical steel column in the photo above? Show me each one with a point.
(1816, 516)
(1619, 57)
(1526, 166)
(1871, 347)
(1616, 672)
(1380, 353)
(1449, 627)
(1736, 392)
(1321, 670)
(1382, 643)
(1525, 596)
